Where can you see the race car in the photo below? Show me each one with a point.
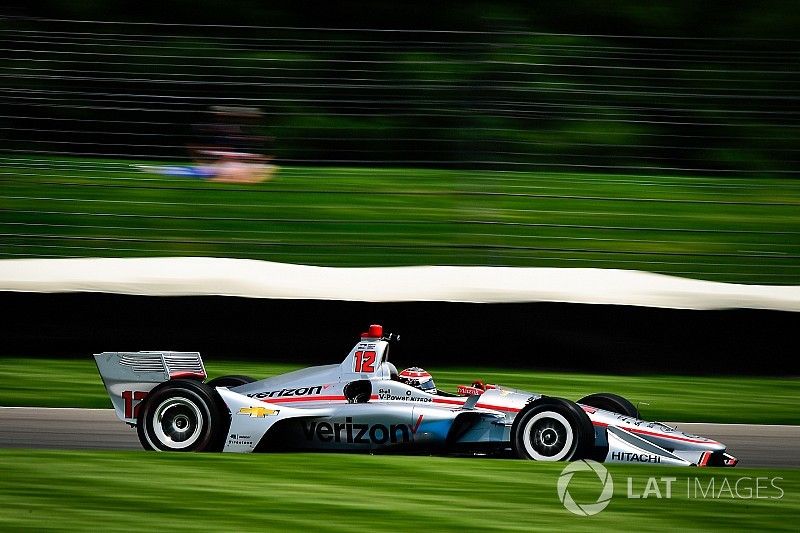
(365, 404)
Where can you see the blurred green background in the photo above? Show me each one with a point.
(508, 85)
(651, 136)
(384, 217)
(656, 137)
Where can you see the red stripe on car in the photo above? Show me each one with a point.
(187, 375)
(498, 407)
(704, 459)
(654, 434)
(667, 436)
(451, 402)
(306, 399)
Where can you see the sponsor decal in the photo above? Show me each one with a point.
(300, 391)
(632, 457)
(359, 433)
(629, 420)
(464, 390)
(258, 412)
(386, 394)
(240, 439)
(662, 430)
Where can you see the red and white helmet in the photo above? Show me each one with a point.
(419, 378)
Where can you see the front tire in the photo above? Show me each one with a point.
(181, 416)
(611, 402)
(552, 429)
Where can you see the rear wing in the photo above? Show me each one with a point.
(130, 376)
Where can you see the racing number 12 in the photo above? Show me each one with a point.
(365, 361)
(129, 397)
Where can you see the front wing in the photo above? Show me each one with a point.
(627, 447)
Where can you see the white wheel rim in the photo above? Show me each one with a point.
(177, 423)
(557, 420)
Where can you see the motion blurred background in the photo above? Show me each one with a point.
(613, 135)
(656, 136)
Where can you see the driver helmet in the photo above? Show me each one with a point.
(419, 378)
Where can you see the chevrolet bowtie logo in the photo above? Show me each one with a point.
(258, 412)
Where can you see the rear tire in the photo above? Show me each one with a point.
(611, 402)
(552, 429)
(229, 381)
(182, 416)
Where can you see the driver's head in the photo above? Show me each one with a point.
(419, 378)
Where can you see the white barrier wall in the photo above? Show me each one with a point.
(185, 276)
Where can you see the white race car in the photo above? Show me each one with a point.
(363, 404)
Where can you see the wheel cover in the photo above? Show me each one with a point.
(177, 423)
(548, 436)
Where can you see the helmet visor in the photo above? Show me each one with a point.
(427, 386)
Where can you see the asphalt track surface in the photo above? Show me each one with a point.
(99, 429)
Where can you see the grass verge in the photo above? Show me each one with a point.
(76, 383)
(744, 230)
(123, 491)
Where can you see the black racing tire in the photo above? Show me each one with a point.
(552, 429)
(182, 416)
(229, 381)
(610, 402)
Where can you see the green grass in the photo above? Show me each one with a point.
(721, 228)
(125, 491)
(76, 383)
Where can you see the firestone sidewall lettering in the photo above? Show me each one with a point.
(301, 391)
(358, 433)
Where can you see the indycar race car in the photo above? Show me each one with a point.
(363, 404)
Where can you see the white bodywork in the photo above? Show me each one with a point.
(360, 405)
